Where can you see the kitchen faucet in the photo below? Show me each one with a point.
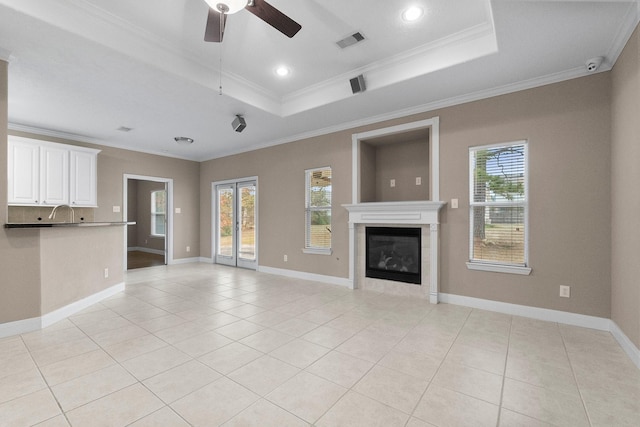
(72, 214)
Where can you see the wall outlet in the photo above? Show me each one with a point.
(286, 258)
(392, 183)
(565, 291)
(106, 273)
(178, 210)
(418, 180)
(116, 209)
(454, 203)
(188, 248)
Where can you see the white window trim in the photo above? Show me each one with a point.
(497, 267)
(307, 177)
(154, 215)
(317, 251)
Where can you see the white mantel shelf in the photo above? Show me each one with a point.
(413, 212)
(397, 213)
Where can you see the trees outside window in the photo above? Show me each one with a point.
(498, 204)
(318, 209)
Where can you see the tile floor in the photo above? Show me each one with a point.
(206, 345)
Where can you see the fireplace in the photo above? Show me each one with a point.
(422, 215)
(394, 253)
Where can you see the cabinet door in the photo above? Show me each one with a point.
(83, 178)
(24, 173)
(54, 176)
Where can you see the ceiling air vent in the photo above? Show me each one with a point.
(350, 40)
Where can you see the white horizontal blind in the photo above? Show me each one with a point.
(498, 204)
(318, 208)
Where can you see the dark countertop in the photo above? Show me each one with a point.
(63, 224)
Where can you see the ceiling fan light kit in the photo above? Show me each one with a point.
(227, 6)
(219, 9)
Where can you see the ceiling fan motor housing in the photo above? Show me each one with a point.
(228, 6)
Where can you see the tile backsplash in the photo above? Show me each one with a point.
(34, 214)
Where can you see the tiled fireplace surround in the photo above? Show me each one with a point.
(423, 214)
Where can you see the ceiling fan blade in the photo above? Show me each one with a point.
(213, 32)
(274, 17)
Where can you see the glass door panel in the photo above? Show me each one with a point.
(236, 220)
(246, 225)
(225, 227)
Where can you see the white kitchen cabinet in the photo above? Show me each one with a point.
(24, 172)
(54, 175)
(47, 174)
(84, 177)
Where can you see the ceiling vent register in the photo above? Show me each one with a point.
(350, 40)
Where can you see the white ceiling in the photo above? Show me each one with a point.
(80, 69)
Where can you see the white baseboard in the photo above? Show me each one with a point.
(627, 345)
(592, 322)
(184, 260)
(20, 327)
(567, 318)
(37, 323)
(331, 280)
(205, 260)
(73, 308)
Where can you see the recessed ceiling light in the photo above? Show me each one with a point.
(412, 13)
(283, 71)
(183, 140)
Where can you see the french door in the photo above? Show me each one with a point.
(235, 224)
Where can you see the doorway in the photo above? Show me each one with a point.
(235, 222)
(147, 212)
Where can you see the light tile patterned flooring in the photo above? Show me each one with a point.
(206, 345)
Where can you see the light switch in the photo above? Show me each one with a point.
(178, 210)
(116, 209)
(392, 183)
(418, 180)
(454, 203)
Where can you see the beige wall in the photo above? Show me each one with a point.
(73, 262)
(625, 191)
(402, 162)
(19, 249)
(568, 129)
(281, 180)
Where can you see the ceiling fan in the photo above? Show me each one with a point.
(219, 9)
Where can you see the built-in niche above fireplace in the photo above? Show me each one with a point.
(396, 183)
(394, 253)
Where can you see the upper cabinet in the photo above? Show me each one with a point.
(54, 175)
(49, 174)
(84, 178)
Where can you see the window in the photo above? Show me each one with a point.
(158, 212)
(318, 211)
(498, 208)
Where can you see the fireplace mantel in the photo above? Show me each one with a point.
(398, 214)
(411, 212)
